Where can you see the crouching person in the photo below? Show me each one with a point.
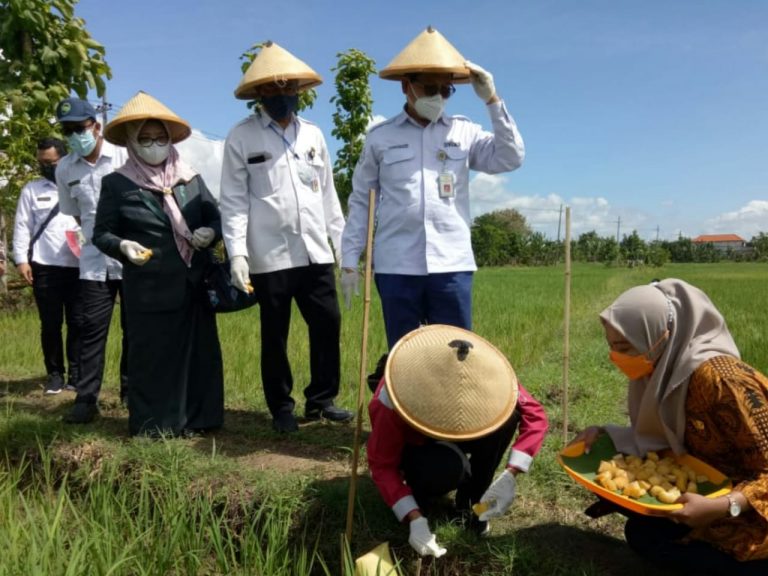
(442, 419)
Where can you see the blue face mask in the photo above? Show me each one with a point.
(82, 144)
(280, 106)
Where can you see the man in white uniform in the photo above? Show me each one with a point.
(45, 262)
(419, 163)
(278, 209)
(78, 178)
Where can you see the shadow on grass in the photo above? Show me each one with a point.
(22, 387)
(34, 418)
(575, 550)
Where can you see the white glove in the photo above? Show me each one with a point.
(422, 540)
(202, 237)
(482, 81)
(135, 252)
(238, 270)
(350, 285)
(499, 496)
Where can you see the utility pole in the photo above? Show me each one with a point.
(657, 232)
(559, 222)
(103, 108)
(618, 228)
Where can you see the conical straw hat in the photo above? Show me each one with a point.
(428, 53)
(450, 383)
(145, 107)
(275, 64)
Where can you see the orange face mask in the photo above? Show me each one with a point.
(636, 367)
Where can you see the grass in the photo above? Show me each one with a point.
(90, 500)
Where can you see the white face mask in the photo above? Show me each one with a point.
(153, 154)
(429, 107)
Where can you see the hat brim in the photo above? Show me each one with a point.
(250, 91)
(460, 75)
(117, 134)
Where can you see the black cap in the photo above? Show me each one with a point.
(74, 110)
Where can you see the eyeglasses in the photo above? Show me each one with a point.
(445, 90)
(146, 141)
(68, 130)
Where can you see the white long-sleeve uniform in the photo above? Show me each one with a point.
(79, 184)
(419, 232)
(278, 201)
(36, 200)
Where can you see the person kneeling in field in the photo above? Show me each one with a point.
(442, 419)
(689, 391)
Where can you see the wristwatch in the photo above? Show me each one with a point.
(733, 507)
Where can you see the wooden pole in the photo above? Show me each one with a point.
(566, 321)
(363, 365)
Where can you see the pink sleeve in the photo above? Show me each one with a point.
(531, 432)
(385, 449)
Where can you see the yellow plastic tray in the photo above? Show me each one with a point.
(583, 468)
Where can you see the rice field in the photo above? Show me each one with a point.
(91, 500)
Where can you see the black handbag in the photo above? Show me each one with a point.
(222, 295)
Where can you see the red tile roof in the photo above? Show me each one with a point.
(718, 238)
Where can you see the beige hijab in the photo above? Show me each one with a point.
(697, 332)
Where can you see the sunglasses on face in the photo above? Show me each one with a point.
(78, 129)
(146, 141)
(445, 90)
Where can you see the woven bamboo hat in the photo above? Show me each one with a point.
(428, 53)
(450, 383)
(144, 107)
(275, 64)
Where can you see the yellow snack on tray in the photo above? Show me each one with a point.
(634, 477)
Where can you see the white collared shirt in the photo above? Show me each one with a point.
(278, 200)
(79, 184)
(417, 231)
(36, 200)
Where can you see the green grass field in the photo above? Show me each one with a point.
(91, 500)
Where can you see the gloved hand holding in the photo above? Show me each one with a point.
(350, 285)
(499, 496)
(422, 540)
(135, 252)
(482, 81)
(202, 237)
(238, 270)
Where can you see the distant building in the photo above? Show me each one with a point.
(723, 242)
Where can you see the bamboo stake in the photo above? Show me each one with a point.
(566, 321)
(363, 365)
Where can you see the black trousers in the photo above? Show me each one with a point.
(434, 469)
(98, 301)
(658, 539)
(313, 288)
(56, 290)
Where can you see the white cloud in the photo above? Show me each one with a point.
(204, 155)
(747, 221)
(545, 214)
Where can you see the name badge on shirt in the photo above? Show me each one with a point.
(445, 185)
(307, 175)
(44, 198)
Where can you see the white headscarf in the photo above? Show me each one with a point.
(697, 332)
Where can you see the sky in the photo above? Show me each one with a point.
(638, 115)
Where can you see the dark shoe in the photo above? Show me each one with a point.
(81, 413)
(332, 413)
(55, 383)
(284, 423)
(70, 387)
